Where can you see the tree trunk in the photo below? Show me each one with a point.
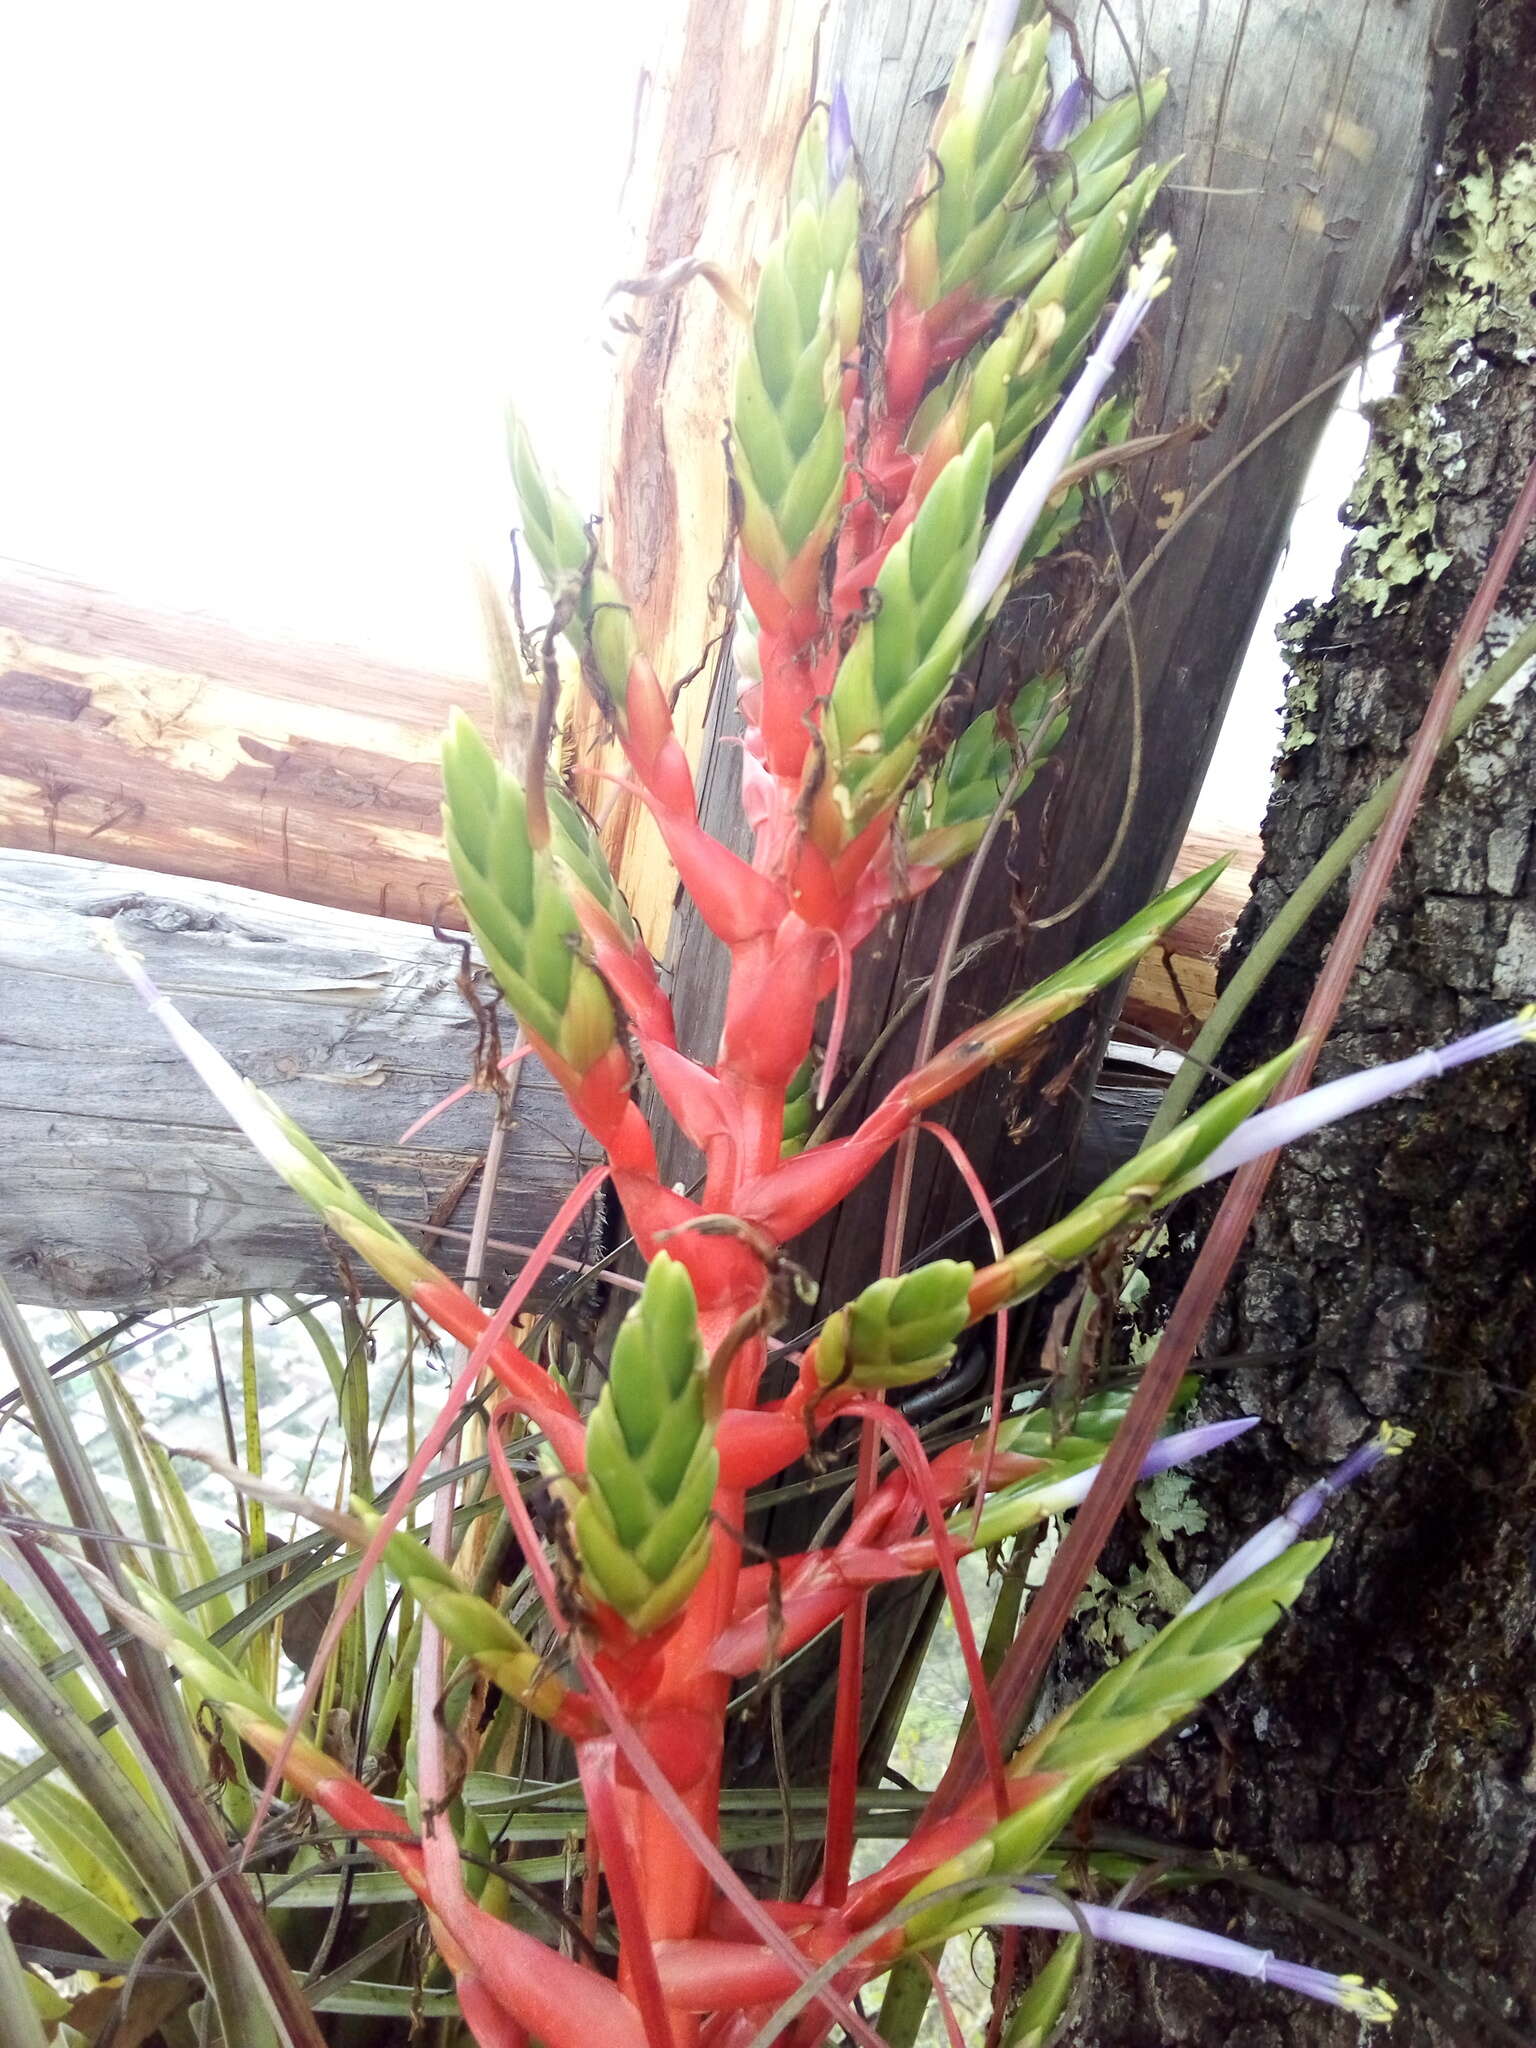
(1381, 1755)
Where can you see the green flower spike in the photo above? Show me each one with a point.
(787, 430)
(642, 1524)
(1100, 160)
(599, 627)
(518, 908)
(576, 846)
(967, 225)
(1154, 1689)
(947, 814)
(899, 1330)
(1067, 301)
(894, 676)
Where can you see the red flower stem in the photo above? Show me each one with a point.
(637, 1957)
(654, 1780)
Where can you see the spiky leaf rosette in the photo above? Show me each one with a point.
(642, 1524)
(787, 430)
(1154, 1689)
(599, 626)
(1157, 1175)
(518, 907)
(894, 676)
(899, 1330)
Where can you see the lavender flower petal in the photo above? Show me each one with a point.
(839, 136)
(1041, 474)
(993, 33)
(1065, 116)
(1288, 1121)
(1276, 1537)
(1048, 1909)
(1177, 1449)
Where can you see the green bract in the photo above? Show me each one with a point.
(576, 846)
(899, 1330)
(894, 676)
(787, 429)
(517, 905)
(642, 1524)
(967, 226)
(599, 628)
(799, 1107)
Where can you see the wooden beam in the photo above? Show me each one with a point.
(182, 745)
(125, 1184)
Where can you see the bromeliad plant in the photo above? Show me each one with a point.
(866, 443)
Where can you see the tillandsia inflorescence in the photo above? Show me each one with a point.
(867, 443)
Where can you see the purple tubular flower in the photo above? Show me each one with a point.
(1045, 1494)
(1040, 475)
(1276, 1537)
(839, 137)
(1185, 1444)
(993, 32)
(1065, 116)
(1050, 1909)
(1288, 1121)
(1180, 1448)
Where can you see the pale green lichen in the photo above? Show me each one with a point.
(1299, 709)
(1480, 287)
(1118, 1619)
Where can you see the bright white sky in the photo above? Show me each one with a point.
(275, 270)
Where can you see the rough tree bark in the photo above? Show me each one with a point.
(1382, 1753)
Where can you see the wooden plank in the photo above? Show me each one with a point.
(125, 1184)
(179, 744)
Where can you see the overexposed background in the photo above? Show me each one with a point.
(275, 274)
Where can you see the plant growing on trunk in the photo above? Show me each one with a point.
(870, 445)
